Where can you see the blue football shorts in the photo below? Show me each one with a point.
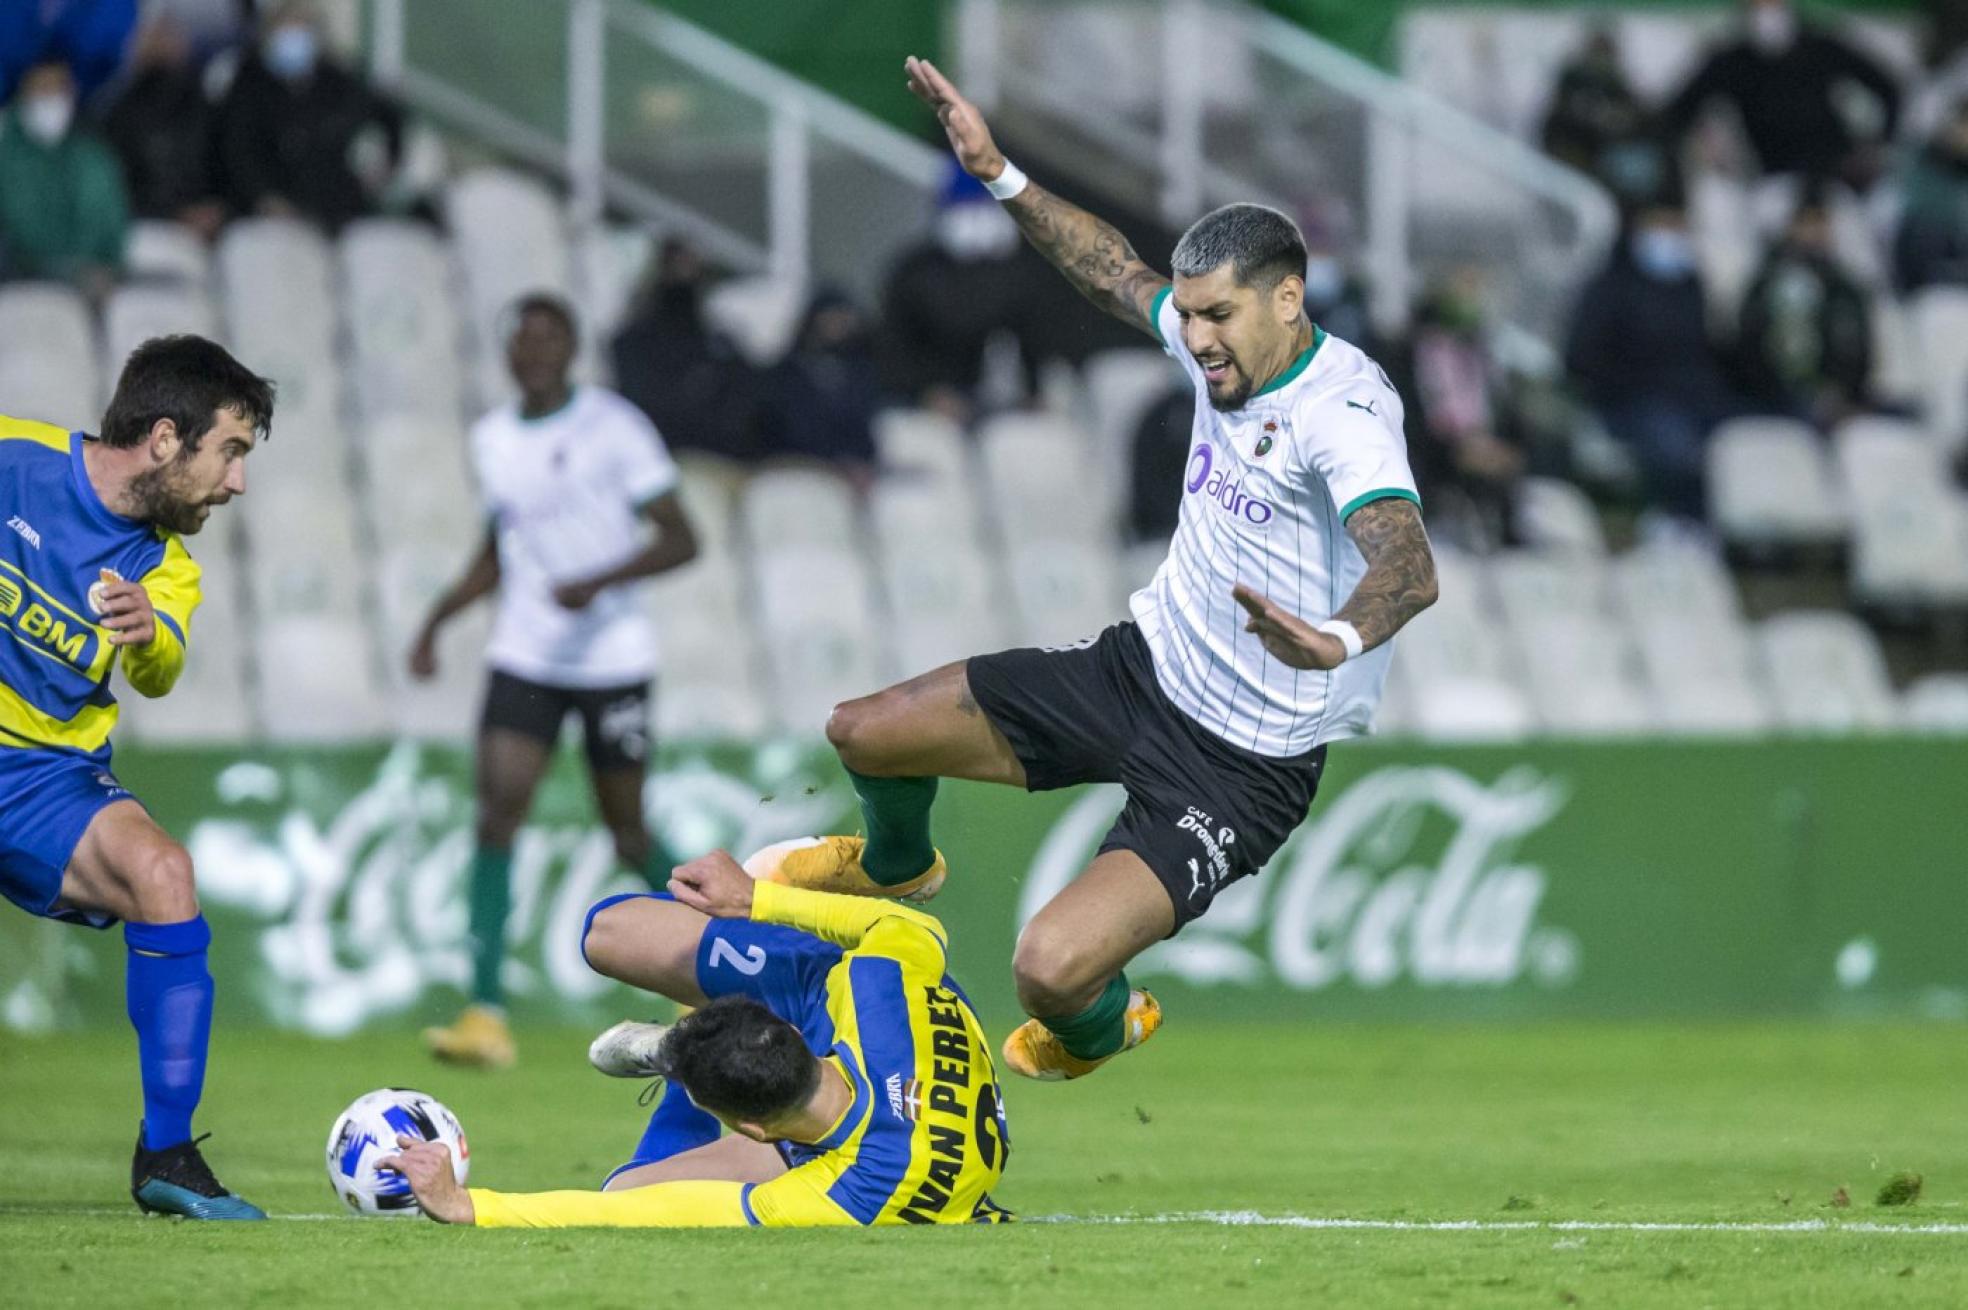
(48, 798)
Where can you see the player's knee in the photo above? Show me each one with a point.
(161, 884)
(603, 939)
(1054, 970)
(852, 732)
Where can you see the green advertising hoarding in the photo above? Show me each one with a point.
(1436, 883)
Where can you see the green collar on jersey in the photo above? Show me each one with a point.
(1298, 365)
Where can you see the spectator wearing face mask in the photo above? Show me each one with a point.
(819, 401)
(1791, 86)
(1639, 349)
(63, 213)
(163, 128)
(1805, 340)
(1335, 297)
(1931, 248)
(1597, 122)
(689, 378)
(300, 135)
(964, 313)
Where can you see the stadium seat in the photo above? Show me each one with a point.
(818, 613)
(138, 311)
(1667, 579)
(1723, 222)
(759, 314)
(1896, 376)
(1457, 638)
(305, 556)
(162, 251)
(799, 506)
(401, 320)
(317, 680)
(436, 506)
(911, 514)
(1582, 677)
(1063, 592)
(1937, 703)
(1140, 562)
(210, 703)
(1826, 673)
(1910, 529)
(1121, 386)
(943, 606)
(510, 239)
(48, 366)
(1469, 709)
(920, 442)
(1555, 515)
(1537, 586)
(277, 294)
(1940, 331)
(1036, 468)
(611, 263)
(704, 629)
(691, 710)
(409, 579)
(1702, 676)
(1769, 484)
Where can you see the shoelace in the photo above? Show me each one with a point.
(184, 1166)
(648, 1094)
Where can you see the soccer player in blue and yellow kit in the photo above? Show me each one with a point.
(94, 576)
(855, 1079)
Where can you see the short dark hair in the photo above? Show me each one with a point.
(1261, 245)
(543, 302)
(737, 1058)
(188, 380)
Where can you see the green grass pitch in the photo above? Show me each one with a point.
(1558, 1144)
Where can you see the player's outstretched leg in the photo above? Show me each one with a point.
(126, 865)
(894, 745)
(1068, 969)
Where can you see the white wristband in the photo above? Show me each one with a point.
(1008, 183)
(1349, 636)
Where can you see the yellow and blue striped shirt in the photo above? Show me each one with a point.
(924, 1141)
(56, 540)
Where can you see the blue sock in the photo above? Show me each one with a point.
(168, 993)
(676, 1125)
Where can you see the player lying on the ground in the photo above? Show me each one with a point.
(1299, 554)
(94, 577)
(855, 1079)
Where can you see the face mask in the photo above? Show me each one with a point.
(1324, 279)
(291, 52)
(46, 118)
(1664, 255)
(976, 231)
(1772, 28)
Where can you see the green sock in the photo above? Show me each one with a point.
(1101, 1028)
(896, 812)
(491, 899)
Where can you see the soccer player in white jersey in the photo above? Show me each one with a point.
(1262, 638)
(574, 478)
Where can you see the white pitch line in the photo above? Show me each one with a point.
(1252, 1219)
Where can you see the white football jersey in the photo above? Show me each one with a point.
(565, 495)
(1266, 496)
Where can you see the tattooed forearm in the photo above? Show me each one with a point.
(1095, 257)
(1400, 580)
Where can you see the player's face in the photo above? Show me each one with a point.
(540, 353)
(179, 493)
(1240, 335)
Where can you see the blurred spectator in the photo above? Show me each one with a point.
(87, 35)
(300, 135)
(1791, 86)
(687, 377)
(163, 127)
(1805, 340)
(1932, 246)
(961, 301)
(1469, 447)
(1598, 124)
(63, 214)
(819, 401)
(1335, 296)
(1157, 464)
(1639, 347)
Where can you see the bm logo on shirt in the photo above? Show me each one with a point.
(40, 628)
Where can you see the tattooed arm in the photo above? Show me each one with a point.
(1399, 584)
(1094, 257)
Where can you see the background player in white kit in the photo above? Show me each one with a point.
(573, 478)
(1299, 553)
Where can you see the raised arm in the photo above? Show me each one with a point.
(1092, 254)
(1399, 584)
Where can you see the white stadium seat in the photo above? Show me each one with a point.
(138, 311)
(1672, 578)
(409, 580)
(707, 485)
(1896, 375)
(211, 700)
(943, 605)
(1121, 386)
(1063, 592)
(1036, 468)
(1938, 703)
(1702, 676)
(1826, 673)
(698, 710)
(1556, 515)
(819, 621)
(759, 314)
(305, 557)
(1582, 677)
(1537, 586)
(919, 442)
(1910, 529)
(1769, 484)
(162, 251)
(510, 240)
(610, 263)
(317, 680)
(1456, 638)
(401, 319)
(1940, 333)
(910, 515)
(48, 355)
(278, 292)
(1469, 709)
(797, 506)
(704, 627)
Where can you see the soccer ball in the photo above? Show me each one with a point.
(366, 1133)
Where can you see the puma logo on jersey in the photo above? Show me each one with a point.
(26, 529)
(1369, 406)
